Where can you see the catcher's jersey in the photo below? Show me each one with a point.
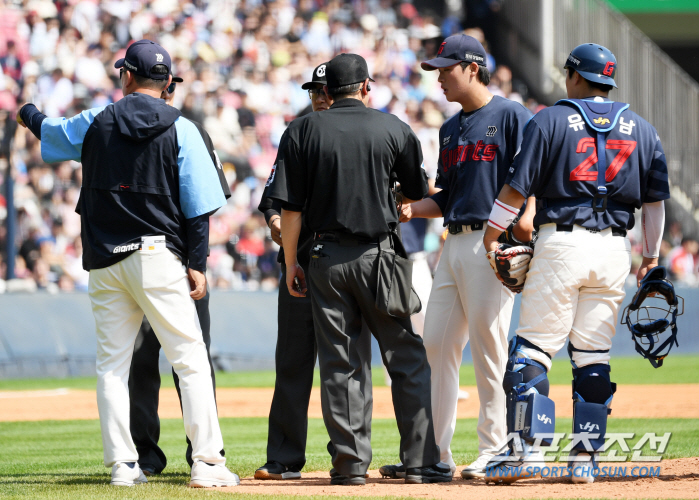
(476, 151)
(558, 164)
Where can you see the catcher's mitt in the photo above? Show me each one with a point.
(512, 264)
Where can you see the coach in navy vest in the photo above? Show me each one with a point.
(148, 190)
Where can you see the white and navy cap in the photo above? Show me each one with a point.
(317, 78)
(454, 50)
(142, 56)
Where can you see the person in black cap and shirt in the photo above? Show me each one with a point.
(477, 147)
(295, 355)
(148, 190)
(336, 166)
(144, 376)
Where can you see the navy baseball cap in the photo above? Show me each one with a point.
(141, 56)
(346, 69)
(456, 49)
(318, 77)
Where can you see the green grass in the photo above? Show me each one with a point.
(63, 459)
(678, 369)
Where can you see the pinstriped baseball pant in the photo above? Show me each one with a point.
(467, 302)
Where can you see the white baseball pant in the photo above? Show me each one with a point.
(467, 301)
(574, 289)
(153, 282)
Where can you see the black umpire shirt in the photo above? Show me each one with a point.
(335, 166)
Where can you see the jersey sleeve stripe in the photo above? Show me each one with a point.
(497, 226)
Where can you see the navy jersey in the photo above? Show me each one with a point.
(558, 164)
(476, 151)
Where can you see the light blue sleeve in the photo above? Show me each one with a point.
(200, 188)
(62, 139)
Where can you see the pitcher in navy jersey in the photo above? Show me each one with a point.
(477, 146)
(575, 285)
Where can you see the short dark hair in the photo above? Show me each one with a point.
(599, 86)
(345, 90)
(483, 73)
(149, 83)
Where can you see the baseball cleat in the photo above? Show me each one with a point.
(210, 476)
(127, 474)
(477, 469)
(506, 469)
(351, 480)
(582, 466)
(437, 473)
(275, 470)
(396, 471)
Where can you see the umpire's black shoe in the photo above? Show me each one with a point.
(429, 474)
(334, 473)
(351, 480)
(396, 471)
(275, 470)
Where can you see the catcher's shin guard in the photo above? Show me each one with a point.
(530, 413)
(593, 392)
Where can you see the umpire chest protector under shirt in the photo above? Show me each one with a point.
(146, 171)
(336, 165)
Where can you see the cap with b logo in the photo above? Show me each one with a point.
(318, 77)
(142, 56)
(454, 50)
(346, 69)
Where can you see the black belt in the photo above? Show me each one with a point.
(465, 228)
(344, 239)
(569, 228)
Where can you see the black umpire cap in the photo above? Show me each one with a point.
(456, 49)
(318, 77)
(346, 69)
(142, 56)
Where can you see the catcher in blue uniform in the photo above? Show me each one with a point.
(575, 285)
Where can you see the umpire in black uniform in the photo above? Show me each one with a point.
(335, 167)
(295, 356)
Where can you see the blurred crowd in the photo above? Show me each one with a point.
(243, 63)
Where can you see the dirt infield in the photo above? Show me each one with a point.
(678, 479)
(661, 401)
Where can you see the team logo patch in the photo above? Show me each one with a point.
(608, 69)
(320, 72)
(441, 48)
(601, 121)
(159, 57)
(491, 131)
(446, 140)
(270, 179)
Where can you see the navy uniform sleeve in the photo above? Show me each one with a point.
(214, 158)
(526, 171)
(287, 182)
(657, 187)
(521, 118)
(409, 168)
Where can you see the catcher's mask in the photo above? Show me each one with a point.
(648, 323)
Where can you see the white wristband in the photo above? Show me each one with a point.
(502, 215)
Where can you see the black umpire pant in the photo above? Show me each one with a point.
(295, 360)
(343, 278)
(144, 390)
